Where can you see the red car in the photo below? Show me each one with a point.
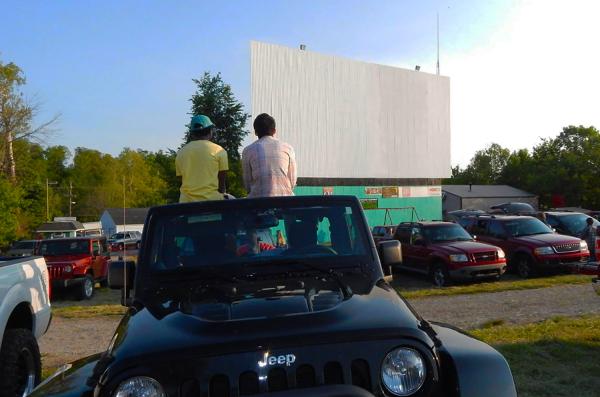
(530, 245)
(445, 251)
(76, 263)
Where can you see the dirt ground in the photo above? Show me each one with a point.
(72, 338)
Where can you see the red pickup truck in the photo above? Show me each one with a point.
(445, 251)
(530, 245)
(76, 263)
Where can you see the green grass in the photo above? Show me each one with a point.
(553, 358)
(89, 311)
(496, 286)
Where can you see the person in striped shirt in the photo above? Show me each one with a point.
(268, 165)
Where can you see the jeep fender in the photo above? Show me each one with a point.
(472, 367)
(73, 382)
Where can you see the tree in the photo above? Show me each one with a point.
(9, 202)
(143, 186)
(215, 99)
(16, 115)
(485, 167)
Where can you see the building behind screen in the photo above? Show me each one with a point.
(377, 132)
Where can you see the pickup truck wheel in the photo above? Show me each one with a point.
(439, 275)
(523, 267)
(20, 363)
(86, 289)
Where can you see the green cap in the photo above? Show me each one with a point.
(200, 122)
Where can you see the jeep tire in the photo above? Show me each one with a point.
(86, 288)
(439, 275)
(20, 363)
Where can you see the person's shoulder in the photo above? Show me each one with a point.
(215, 147)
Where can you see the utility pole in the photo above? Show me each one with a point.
(70, 196)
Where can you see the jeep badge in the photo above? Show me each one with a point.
(284, 359)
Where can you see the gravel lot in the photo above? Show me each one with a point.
(69, 339)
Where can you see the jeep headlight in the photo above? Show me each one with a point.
(544, 251)
(459, 258)
(403, 371)
(68, 268)
(583, 246)
(139, 386)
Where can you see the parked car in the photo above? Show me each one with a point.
(456, 216)
(513, 209)
(22, 248)
(446, 252)
(530, 245)
(76, 263)
(572, 224)
(382, 233)
(24, 318)
(123, 241)
(316, 318)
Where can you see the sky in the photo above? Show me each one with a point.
(120, 72)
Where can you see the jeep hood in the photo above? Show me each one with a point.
(548, 239)
(459, 247)
(378, 315)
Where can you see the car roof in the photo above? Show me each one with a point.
(502, 217)
(564, 213)
(427, 223)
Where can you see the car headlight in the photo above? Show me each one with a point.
(68, 269)
(139, 386)
(583, 245)
(459, 258)
(403, 371)
(543, 251)
(501, 254)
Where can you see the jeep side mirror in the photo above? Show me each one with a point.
(116, 274)
(390, 255)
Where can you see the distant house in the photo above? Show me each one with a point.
(60, 228)
(482, 197)
(115, 220)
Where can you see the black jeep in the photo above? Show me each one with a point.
(216, 310)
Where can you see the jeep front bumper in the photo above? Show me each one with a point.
(479, 271)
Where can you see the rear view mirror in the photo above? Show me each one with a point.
(263, 221)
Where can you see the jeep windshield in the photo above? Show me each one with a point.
(445, 233)
(257, 236)
(64, 247)
(526, 227)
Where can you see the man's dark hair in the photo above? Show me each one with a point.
(264, 125)
(200, 132)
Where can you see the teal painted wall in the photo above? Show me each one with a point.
(427, 208)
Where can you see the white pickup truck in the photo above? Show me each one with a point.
(24, 317)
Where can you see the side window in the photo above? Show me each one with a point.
(552, 221)
(480, 227)
(415, 234)
(496, 230)
(96, 247)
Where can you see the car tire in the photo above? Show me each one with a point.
(439, 275)
(20, 363)
(86, 289)
(524, 267)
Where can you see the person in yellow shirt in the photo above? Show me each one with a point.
(201, 164)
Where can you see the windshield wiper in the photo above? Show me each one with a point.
(330, 273)
(198, 273)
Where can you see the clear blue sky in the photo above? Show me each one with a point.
(120, 71)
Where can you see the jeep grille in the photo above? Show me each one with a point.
(303, 376)
(569, 247)
(55, 271)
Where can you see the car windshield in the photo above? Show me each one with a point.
(526, 227)
(64, 247)
(117, 236)
(441, 233)
(519, 207)
(250, 235)
(23, 245)
(576, 223)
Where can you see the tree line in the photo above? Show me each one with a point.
(39, 182)
(563, 171)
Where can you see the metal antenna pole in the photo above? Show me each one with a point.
(70, 196)
(124, 242)
(47, 202)
(438, 44)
